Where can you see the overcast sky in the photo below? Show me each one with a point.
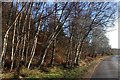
(113, 36)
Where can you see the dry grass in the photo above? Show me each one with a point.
(7, 75)
(57, 71)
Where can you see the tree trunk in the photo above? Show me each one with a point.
(23, 47)
(13, 45)
(32, 52)
(35, 39)
(24, 31)
(53, 36)
(53, 53)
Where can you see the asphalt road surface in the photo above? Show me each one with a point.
(108, 68)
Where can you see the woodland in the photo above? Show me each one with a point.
(48, 34)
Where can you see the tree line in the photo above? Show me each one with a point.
(49, 33)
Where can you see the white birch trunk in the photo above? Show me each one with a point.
(35, 39)
(13, 44)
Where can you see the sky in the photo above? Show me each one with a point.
(112, 34)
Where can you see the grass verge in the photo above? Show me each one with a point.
(56, 72)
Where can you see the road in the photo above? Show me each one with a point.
(108, 68)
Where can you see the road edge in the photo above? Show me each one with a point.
(91, 70)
